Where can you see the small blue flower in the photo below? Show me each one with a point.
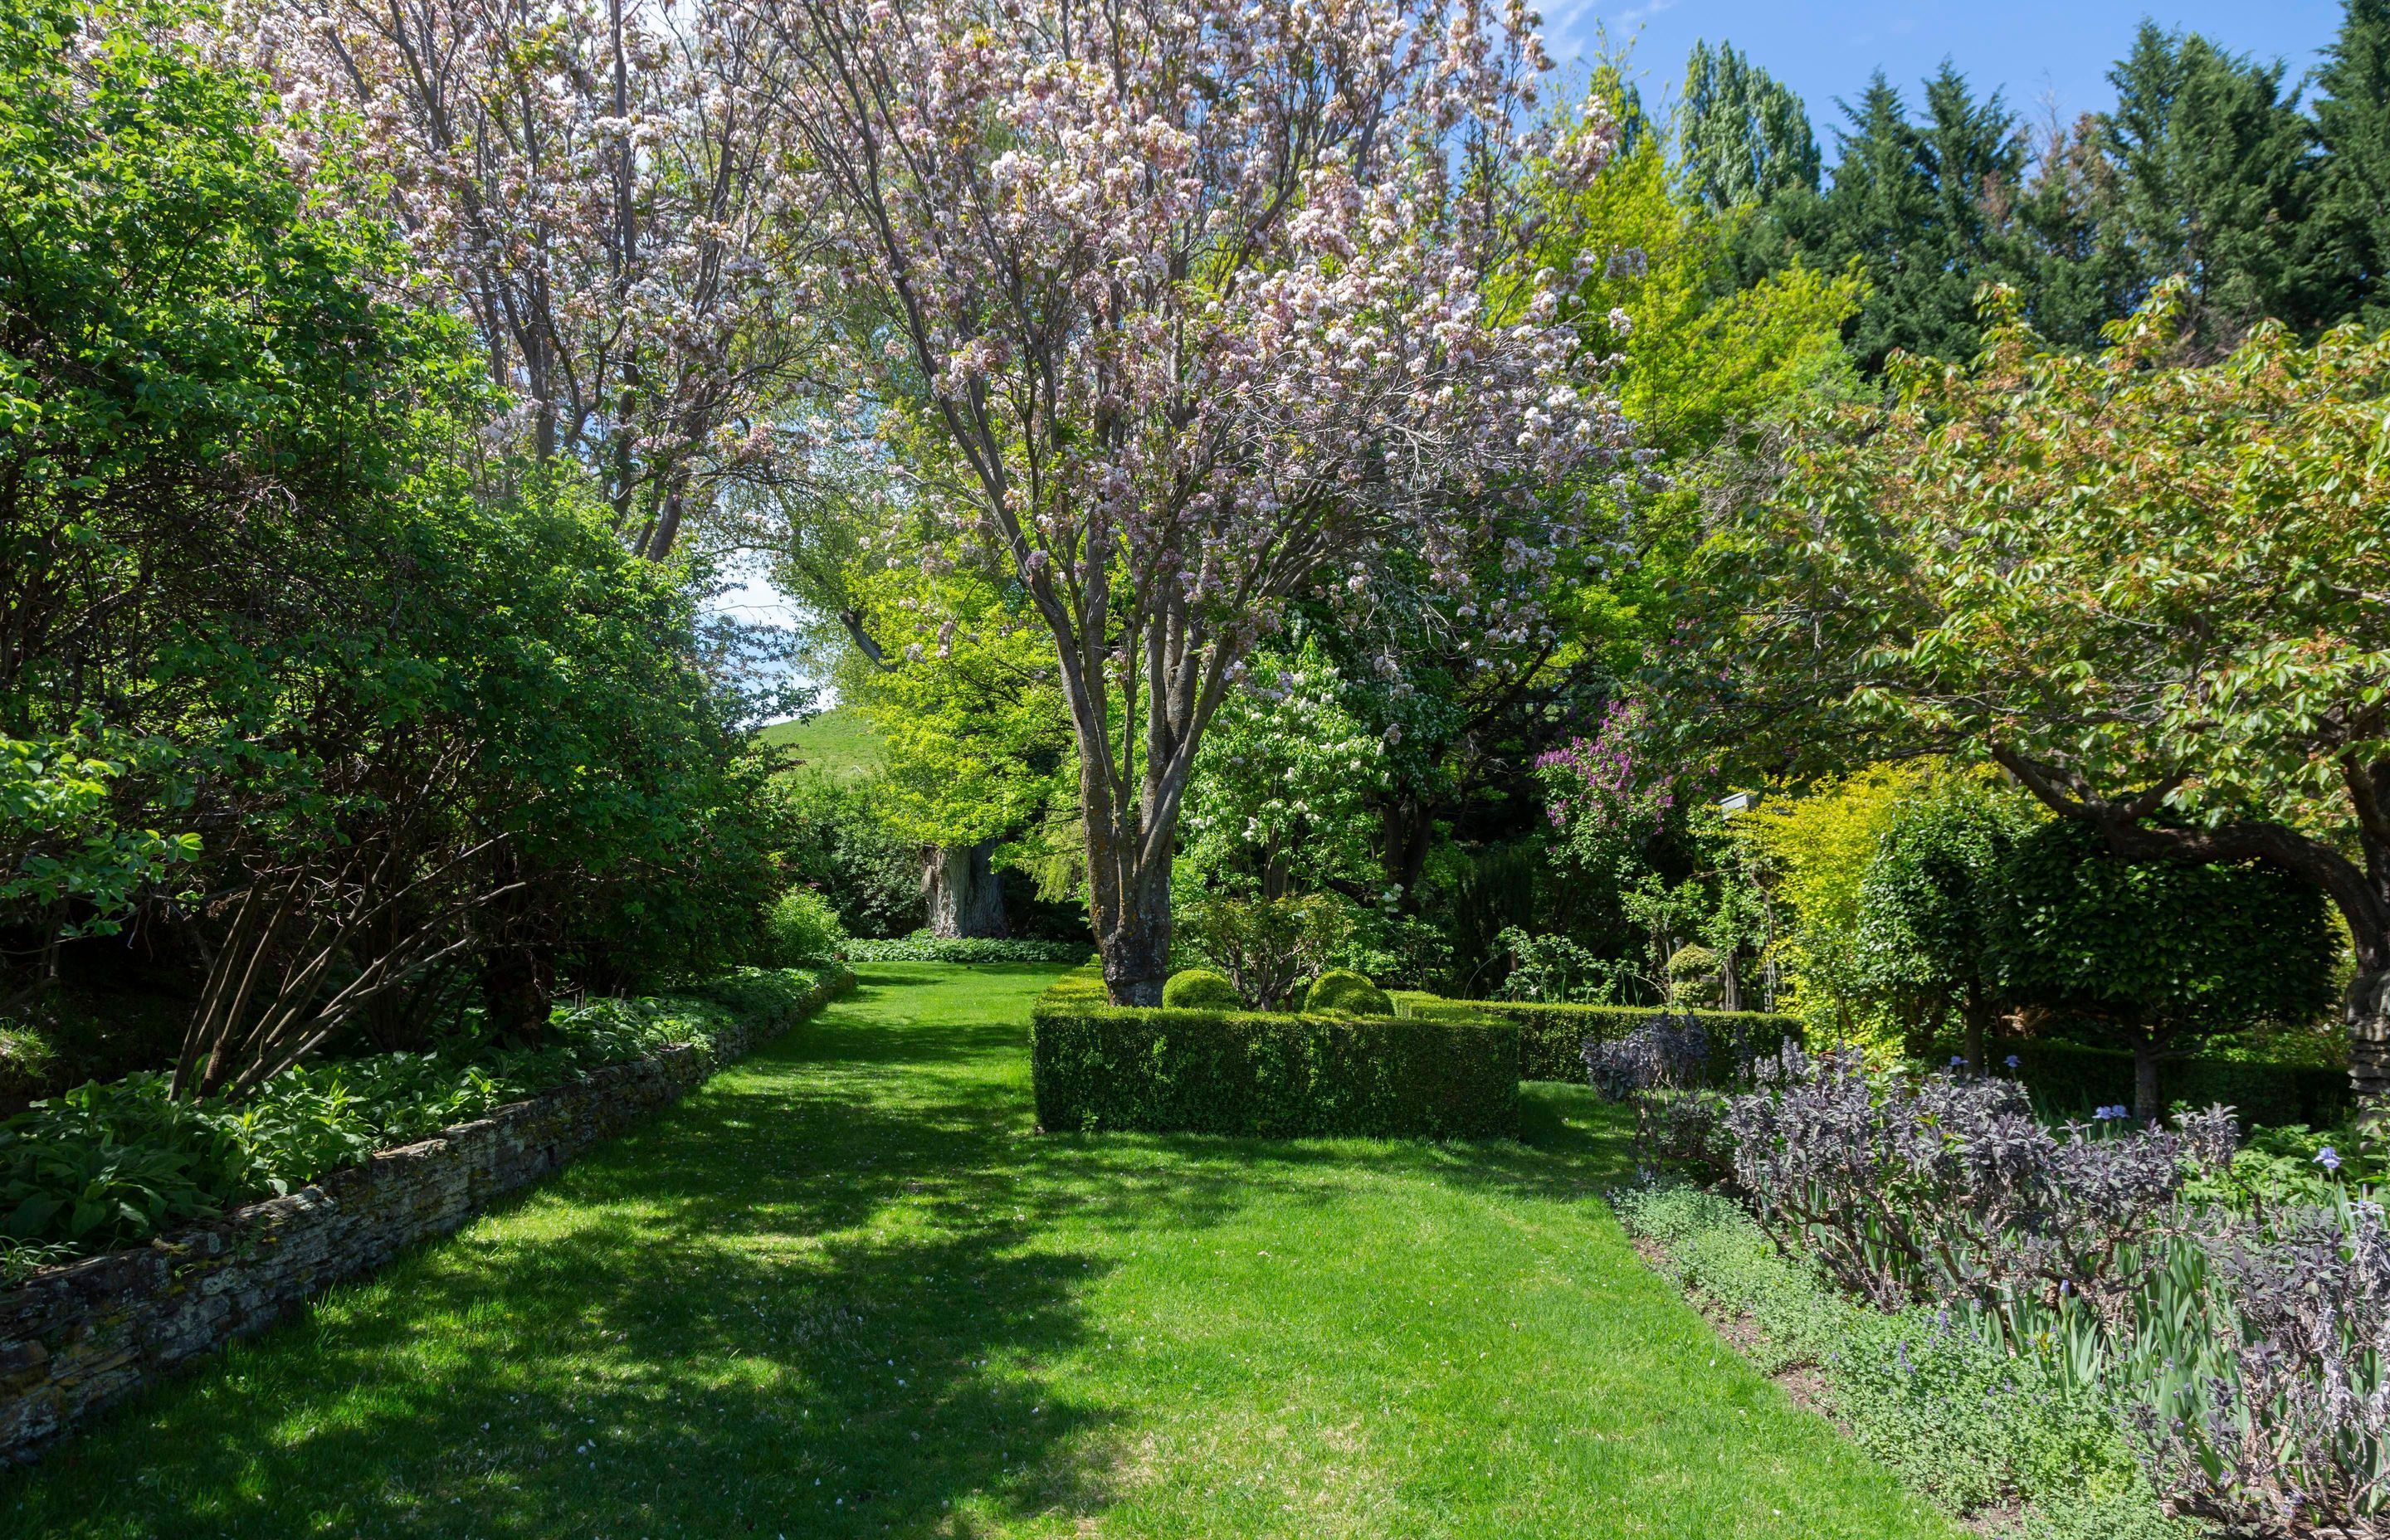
(2012, 1061)
(1957, 1060)
(2328, 1158)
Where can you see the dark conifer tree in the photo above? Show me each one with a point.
(2352, 110)
(1919, 207)
(2216, 171)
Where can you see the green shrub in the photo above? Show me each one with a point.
(1341, 989)
(837, 836)
(1267, 947)
(26, 1058)
(966, 949)
(1551, 1042)
(802, 928)
(1200, 989)
(1097, 1066)
(1693, 977)
(116, 1161)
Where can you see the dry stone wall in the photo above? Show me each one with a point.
(84, 1336)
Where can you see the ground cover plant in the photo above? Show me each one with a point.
(966, 949)
(844, 1291)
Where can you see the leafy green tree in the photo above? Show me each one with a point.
(1462, 718)
(972, 726)
(2352, 114)
(2156, 955)
(1742, 137)
(2155, 593)
(2217, 173)
(1929, 904)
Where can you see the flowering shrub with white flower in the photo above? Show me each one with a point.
(1280, 795)
(594, 189)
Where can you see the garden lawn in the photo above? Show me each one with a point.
(841, 744)
(847, 1288)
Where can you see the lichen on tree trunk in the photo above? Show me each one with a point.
(964, 897)
(2369, 1032)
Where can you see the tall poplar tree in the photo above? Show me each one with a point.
(1742, 136)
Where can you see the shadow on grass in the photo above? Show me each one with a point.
(717, 1325)
(813, 1300)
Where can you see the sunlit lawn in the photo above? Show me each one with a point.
(841, 742)
(848, 1289)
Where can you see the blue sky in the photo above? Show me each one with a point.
(2033, 49)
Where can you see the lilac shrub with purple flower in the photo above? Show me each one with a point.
(1604, 795)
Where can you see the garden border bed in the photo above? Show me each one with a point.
(88, 1334)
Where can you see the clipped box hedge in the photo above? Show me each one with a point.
(1100, 1066)
(2070, 1079)
(1552, 1038)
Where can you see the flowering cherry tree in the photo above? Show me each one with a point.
(589, 184)
(1186, 307)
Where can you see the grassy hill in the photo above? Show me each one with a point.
(839, 742)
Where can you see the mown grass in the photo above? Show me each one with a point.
(841, 744)
(848, 1289)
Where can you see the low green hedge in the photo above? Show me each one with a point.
(2069, 1079)
(1094, 1065)
(1551, 1038)
(966, 949)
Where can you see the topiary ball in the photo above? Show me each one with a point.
(1340, 989)
(1200, 989)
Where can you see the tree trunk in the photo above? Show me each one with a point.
(1133, 933)
(1408, 832)
(964, 897)
(1978, 1018)
(518, 981)
(2146, 1110)
(1729, 980)
(2369, 1032)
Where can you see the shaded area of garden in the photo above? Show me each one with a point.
(848, 1289)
